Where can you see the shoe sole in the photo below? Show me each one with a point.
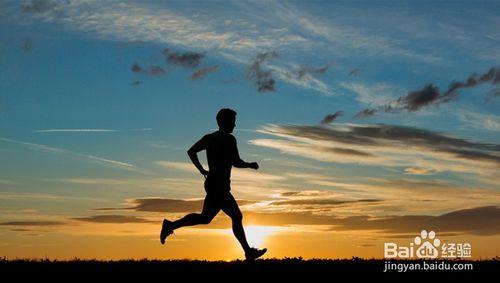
(256, 257)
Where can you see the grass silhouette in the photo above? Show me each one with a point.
(290, 266)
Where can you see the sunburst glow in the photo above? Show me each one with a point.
(257, 235)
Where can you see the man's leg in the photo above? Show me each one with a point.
(230, 207)
(211, 206)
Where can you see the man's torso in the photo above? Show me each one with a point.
(221, 151)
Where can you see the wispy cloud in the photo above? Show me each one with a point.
(55, 150)
(119, 219)
(418, 171)
(7, 182)
(32, 223)
(90, 130)
(165, 205)
(348, 39)
(480, 121)
(384, 145)
(372, 94)
(74, 130)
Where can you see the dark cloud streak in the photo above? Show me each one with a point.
(331, 117)
(303, 71)
(150, 70)
(184, 59)
(258, 75)
(203, 72)
(431, 95)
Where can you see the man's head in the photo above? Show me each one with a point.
(226, 119)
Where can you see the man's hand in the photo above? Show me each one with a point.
(204, 173)
(253, 165)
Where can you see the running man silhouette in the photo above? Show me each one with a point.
(222, 155)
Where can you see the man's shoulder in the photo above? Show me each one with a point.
(209, 135)
(220, 136)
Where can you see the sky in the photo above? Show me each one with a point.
(370, 120)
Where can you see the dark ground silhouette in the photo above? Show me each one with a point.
(286, 268)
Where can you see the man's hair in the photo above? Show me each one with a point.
(224, 114)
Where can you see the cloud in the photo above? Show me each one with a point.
(346, 40)
(308, 81)
(377, 94)
(492, 77)
(477, 221)
(150, 70)
(74, 130)
(113, 219)
(203, 72)
(166, 205)
(321, 202)
(184, 59)
(32, 223)
(365, 113)
(331, 117)
(7, 182)
(262, 78)
(474, 221)
(354, 72)
(312, 208)
(431, 95)
(417, 99)
(418, 171)
(88, 157)
(87, 130)
(38, 6)
(480, 121)
(142, 22)
(383, 145)
(303, 71)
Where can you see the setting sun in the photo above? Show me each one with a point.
(257, 235)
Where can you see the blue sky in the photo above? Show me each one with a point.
(73, 123)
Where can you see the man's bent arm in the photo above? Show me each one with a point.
(193, 155)
(239, 163)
